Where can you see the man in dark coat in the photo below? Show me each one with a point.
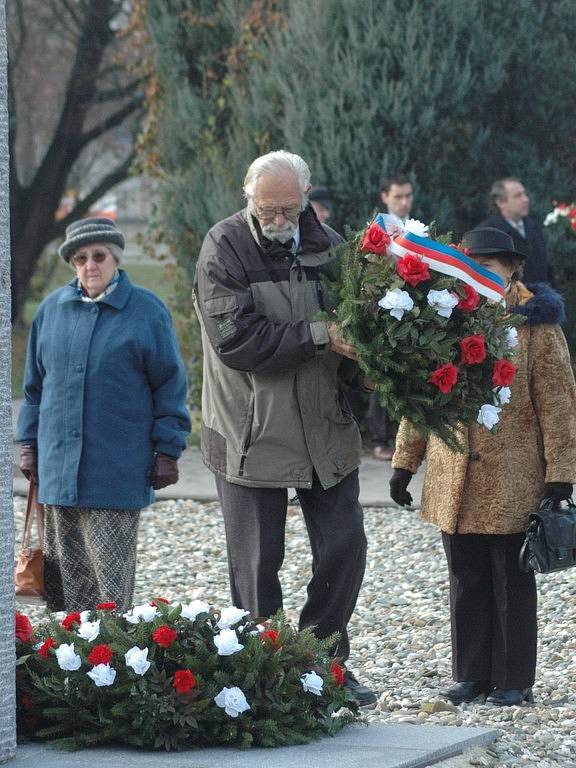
(272, 413)
(510, 204)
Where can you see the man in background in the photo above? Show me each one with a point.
(509, 203)
(321, 201)
(397, 195)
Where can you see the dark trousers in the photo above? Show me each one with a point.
(381, 431)
(492, 610)
(255, 521)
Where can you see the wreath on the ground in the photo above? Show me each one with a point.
(169, 675)
(429, 326)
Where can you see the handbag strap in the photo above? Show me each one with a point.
(32, 506)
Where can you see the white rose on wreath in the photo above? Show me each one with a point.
(146, 612)
(137, 659)
(67, 658)
(232, 701)
(227, 642)
(488, 416)
(416, 227)
(442, 301)
(397, 301)
(230, 616)
(89, 630)
(102, 674)
(312, 683)
(504, 394)
(191, 610)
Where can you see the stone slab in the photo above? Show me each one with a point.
(376, 746)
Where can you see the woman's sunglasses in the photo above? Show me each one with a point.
(80, 259)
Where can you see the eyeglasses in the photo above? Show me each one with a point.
(290, 212)
(80, 259)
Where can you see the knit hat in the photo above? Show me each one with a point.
(87, 232)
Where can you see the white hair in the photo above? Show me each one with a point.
(273, 164)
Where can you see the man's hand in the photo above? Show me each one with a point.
(338, 345)
(165, 471)
(29, 462)
(398, 485)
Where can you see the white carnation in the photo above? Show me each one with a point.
(397, 301)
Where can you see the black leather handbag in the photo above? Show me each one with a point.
(550, 543)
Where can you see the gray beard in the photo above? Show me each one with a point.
(282, 234)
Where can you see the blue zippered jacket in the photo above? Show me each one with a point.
(104, 388)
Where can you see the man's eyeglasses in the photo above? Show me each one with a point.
(80, 259)
(290, 212)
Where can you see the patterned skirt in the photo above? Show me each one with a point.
(89, 557)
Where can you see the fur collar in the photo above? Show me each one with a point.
(545, 306)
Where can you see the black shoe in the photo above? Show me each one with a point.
(363, 695)
(464, 693)
(511, 697)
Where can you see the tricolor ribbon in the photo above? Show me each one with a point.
(450, 261)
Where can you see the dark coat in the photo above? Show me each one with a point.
(537, 268)
(104, 388)
(272, 410)
(494, 486)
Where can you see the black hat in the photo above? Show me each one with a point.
(321, 195)
(87, 232)
(490, 241)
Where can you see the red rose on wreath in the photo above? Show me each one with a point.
(184, 681)
(444, 377)
(45, 647)
(376, 239)
(72, 618)
(24, 631)
(164, 636)
(503, 373)
(412, 269)
(270, 634)
(337, 673)
(106, 606)
(26, 701)
(159, 600)
(473, 350)
(470, 302)
(100, 654)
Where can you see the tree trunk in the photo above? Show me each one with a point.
(7, 637)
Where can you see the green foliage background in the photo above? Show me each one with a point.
(453, 93)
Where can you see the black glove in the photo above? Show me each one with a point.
(398, 485)
(558, 491)
(165, 471)
(29, 462)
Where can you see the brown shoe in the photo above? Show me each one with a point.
(383, 453)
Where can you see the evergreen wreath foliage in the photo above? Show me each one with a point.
(400, 355)
(171, 704)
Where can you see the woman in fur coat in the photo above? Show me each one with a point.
(481, 499)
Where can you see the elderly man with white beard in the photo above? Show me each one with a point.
(273, 414)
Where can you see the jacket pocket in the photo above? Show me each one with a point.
(246, 434)
(220, 305)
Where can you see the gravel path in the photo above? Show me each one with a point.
(400, 631)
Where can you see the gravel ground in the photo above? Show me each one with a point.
(400, 631)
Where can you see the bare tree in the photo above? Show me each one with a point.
(71, 90)
(7, 639)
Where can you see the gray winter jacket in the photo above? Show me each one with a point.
(272, 406)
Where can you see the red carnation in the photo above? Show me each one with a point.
(72, 618)
(45, 647)
(100, 654)
(164, 636)
(469, 303)
(376, 239)
(24, 631)
(412, 269)
(473, 350)
(337, 673)
(106, 606)
(159, 600)
(184, 680)
(503, 373)
(444, 377)
(270, 634)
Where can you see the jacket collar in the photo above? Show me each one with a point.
(117, 299)
(313, 237)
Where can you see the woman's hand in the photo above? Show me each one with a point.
(29, 462)
(165, 471)
(398, 487)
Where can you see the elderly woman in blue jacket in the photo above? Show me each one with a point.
(104, 418)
